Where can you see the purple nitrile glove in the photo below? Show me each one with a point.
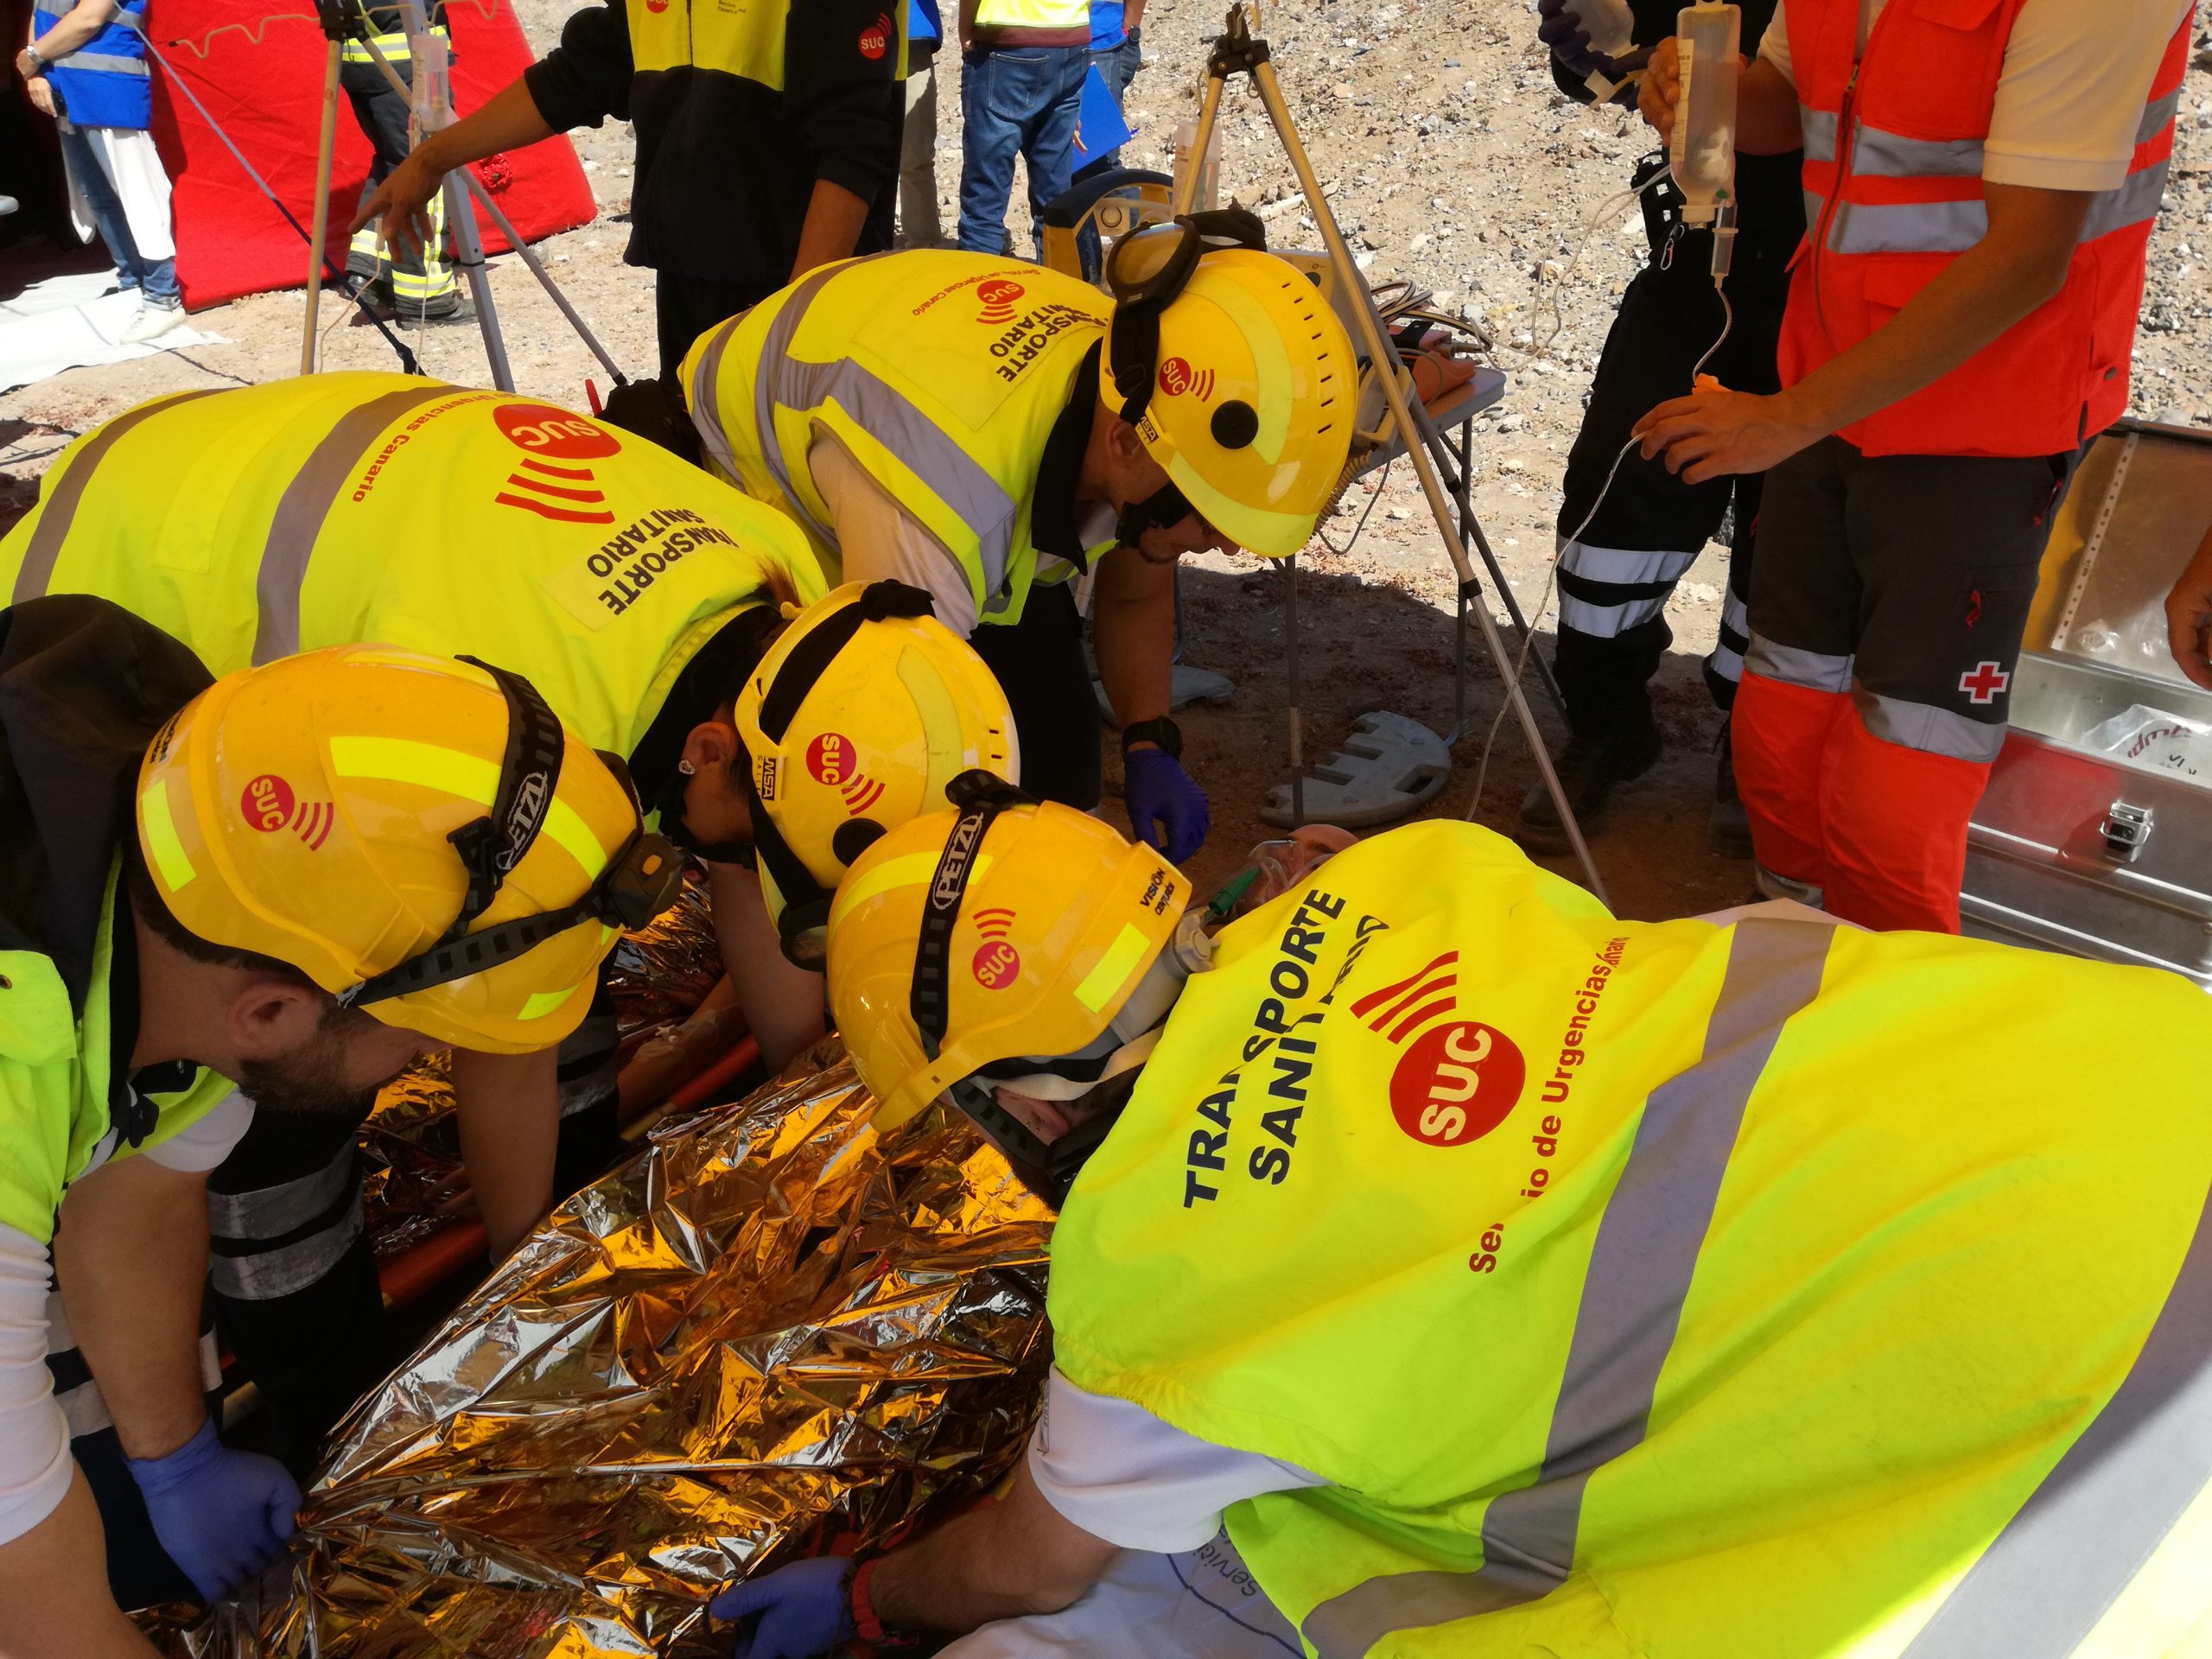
(1166, 809)
(1562, 30)
(223, 1515)
(804, 1610)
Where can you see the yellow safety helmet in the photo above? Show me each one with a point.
(419, 837)
(1003, 937)
(1237, 376)
(854, 722)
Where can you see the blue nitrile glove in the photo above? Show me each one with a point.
(1563, 31)
(804, 1610)
(223, 1515)
(1160, 797)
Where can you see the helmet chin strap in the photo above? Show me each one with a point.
(1166, 505)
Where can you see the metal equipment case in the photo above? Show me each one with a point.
(2074, 847)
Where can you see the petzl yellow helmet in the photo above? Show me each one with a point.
(1001, 931)
(420, 837)
(1237, 376)
(854, 722)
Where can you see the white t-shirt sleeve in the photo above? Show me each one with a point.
(1774, 46)
(1120, 1473)
(35, 1465)
(877, 539)
(2070, 98)
(198, 1148)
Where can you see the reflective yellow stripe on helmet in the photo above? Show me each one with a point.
(400, 759)
(1099, 985)
(1270, 364)
(914, 870)
(161, 842)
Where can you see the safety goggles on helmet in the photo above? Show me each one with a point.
(1146, 270)
(639, 883)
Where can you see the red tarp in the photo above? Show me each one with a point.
(258, 66)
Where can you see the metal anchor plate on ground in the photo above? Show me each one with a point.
(1389, 766)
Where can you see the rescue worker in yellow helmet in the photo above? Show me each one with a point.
(293, 880)
(636, 594)
(1513, 1279)
(988, 431)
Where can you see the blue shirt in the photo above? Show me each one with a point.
(1106, 30)
(922, 23)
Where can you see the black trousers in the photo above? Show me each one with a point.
(415, 275)
(685, 307)
(1039, 663)
(1615, 578)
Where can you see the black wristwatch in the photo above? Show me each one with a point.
(1163, 731)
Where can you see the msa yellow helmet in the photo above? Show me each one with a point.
(854, 722)
(1006, 938)
(1237, 376)
(419, 836)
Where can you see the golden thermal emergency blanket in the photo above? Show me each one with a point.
(769, 1328)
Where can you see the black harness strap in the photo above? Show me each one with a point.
(492, 846)
(980, 797)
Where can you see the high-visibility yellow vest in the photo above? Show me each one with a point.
(941, 371)
(1033, 14)
(54, 1072)
(1670, 1290)
(340, 508)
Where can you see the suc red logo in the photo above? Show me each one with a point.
(266, 801)
(830, 760)
(1175, 376)
(1000, 295)
(543, 431)
(997, 964)
(1456, 1083)
(875, 38)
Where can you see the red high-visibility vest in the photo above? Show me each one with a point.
(1893, 154)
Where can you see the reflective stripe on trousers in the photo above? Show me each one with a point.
(1603, 591)
(245, 1263)
(62, 502)
(950, 472)
(1641, 1268)
(307, 500)
(1909, 725)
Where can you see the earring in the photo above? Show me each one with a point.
(686, 767)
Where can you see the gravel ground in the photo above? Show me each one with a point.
(1449, 160)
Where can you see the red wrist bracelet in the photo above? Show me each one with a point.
(864, 1616)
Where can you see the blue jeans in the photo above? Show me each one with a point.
(157, 278)
(1019, 100)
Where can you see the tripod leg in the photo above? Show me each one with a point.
(1417, 433)
(537, 267)
(315, 243)
(1186, 186)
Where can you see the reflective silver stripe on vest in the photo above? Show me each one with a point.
(1931, 730)
(273, 1211)
(306, 503)
(953, 476)
(2062, 1560)
(104, 62)
(1641, 1266)
(2156, 115)
(1818, 127)
(706, 414)
(61, 512)
(2135, 202)
(1814, 670)
(1880, 155)
(267, 1275)
(1955, 226)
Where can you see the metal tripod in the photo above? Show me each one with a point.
(434, 109)
(1237, 51)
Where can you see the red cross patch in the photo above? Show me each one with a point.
(1986, 683)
